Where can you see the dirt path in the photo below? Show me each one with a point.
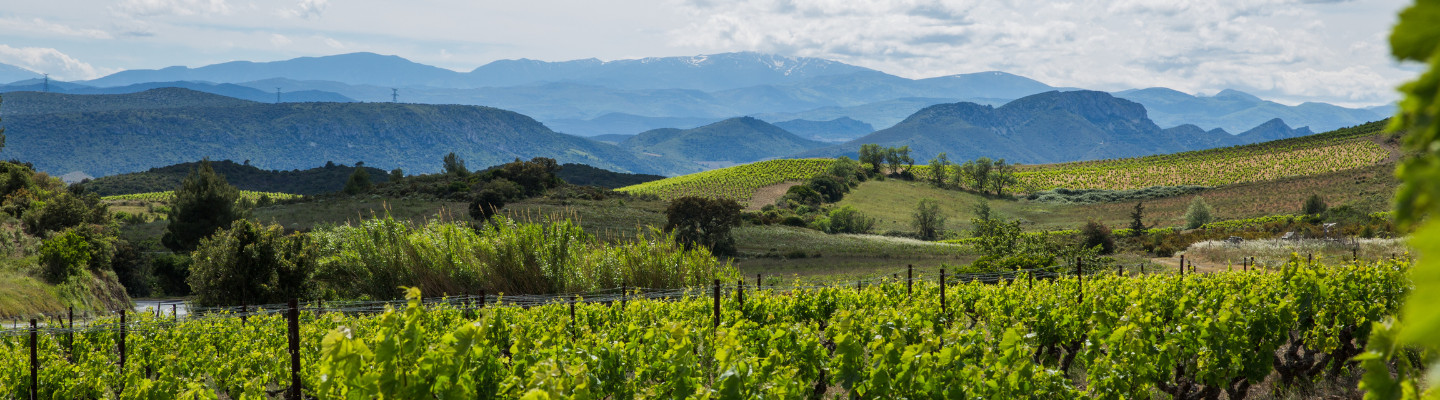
(769, 194)
(1395, 152)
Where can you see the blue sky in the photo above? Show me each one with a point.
(1289, 51)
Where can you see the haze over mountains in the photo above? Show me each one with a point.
(666, 116)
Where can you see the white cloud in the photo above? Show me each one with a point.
(147, 8)
(307, 9)
(38, 25)
(335, 44)
(1278, 47)
(279, 40)
(48, 60)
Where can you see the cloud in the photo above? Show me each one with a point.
(279, 40)
(38, 25)
(334, 43)
(1271, 46)
(307, 9)
(48, 60)
(150, 8)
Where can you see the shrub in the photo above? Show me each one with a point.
(64, 256)
(252, 263)
(359, 182)
(831, 188)
(374, 257)
(847, 219)
(1095, 234)
(803, 194)
(1198, 214)
(64, 211)
(793, 220)
(172, 273)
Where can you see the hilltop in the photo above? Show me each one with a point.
(735, 140)
(32, 103)
(1044, 128)
(319, 180)
(301, 135)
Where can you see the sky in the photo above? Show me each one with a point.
(1289, 51)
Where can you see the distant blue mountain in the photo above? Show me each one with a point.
(841, 129)
(354, 68)
(11, 73)
(706, 72)
(224, 89)
(613, 124)
(1237, 111)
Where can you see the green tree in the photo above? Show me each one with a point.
(977, 173)
(64, 256)
(397, 174)
(939, 169)
(64, 211)
(2, 130)
(700, 221)
(847, 170)
(204, 203)
(1002, 175)
(254, 264)
(455, 166)
(1314, 205)
(1198, 214)
(803, 194)
(872, 154)
(487, 203)
(928, 220)
(1137, 216)
(983, 215)
(359, 181)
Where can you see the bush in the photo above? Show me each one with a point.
(833, 189)
(793, 220)
(1093, 196)
(847, 219)
(359, 182)
(64, 211)
(803, 194)
(373, 258)
(172, 273)
(64, 256)
(1198, 214)
(204, 204)
(1095, 234)
(1002, 262)
(251, 263)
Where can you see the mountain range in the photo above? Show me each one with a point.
(101, 136)
(690, 88)
(1047, 128)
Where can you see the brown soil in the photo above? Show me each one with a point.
(1201, 265)
(768, 195)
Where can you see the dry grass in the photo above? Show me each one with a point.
(1274, 252)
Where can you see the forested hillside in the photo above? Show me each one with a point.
(302, 135)
(313, 181)
(31, 103)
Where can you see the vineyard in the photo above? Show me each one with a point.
(737, 183)
(170, 195)
(1099, 336)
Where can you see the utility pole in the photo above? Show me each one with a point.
(277, 95)
(394, 95)
(47, 83)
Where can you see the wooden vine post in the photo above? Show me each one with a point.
(942, 296)
(1079, 280)
(294, 335)
(34, 362)
(909, 280)
(717, 304)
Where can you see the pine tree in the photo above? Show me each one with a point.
(359, 182)
(204, 203)
(1137, 216)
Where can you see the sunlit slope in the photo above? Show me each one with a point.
(737, 183)
(1338, 150)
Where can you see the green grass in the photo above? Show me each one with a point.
(170, 195)
(737, 183)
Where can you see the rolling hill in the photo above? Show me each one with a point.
(735, 140)
(33, 103)
(836, 130)
(1044, 128)
(301, 135)
(1358, 148)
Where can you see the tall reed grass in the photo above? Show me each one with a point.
(374, 257)
(1274, 252)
